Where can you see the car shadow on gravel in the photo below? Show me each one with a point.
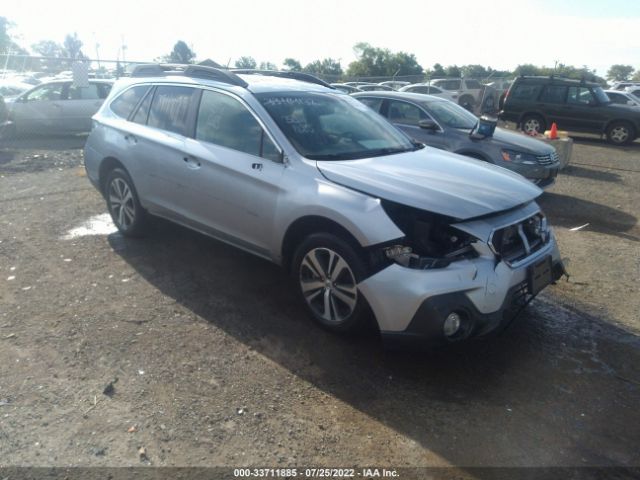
(517, 397)
(570, 212)
(598, 141)
(592, 174)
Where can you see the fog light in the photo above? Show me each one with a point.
(452, 324)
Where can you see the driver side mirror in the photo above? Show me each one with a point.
(428, 124)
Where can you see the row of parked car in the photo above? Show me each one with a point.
(469, 93)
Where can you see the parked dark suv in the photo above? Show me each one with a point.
(535, 102)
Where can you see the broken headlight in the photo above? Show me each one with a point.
(430, 241)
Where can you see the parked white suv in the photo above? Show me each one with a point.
(437, 246)
(472, 95)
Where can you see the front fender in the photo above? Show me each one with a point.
(360, 214)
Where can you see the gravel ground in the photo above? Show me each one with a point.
(212, 362)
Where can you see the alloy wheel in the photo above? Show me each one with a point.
(328, 285)
(122, 203)
(619, 134)
(531, 126)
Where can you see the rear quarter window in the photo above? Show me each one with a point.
(124, 104)
(525, 92)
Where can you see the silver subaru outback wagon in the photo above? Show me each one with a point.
(437, 247)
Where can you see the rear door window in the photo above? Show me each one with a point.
(170, 108)
(450, 84)
(524, 91)
(90, 92)
(372, 103)
(554, 94)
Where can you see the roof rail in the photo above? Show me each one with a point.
(193, 71)
(303, 77)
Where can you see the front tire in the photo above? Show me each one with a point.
(327, 270)
(122, 200)
(620, 133)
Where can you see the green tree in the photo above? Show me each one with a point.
(181, 54)
(268, 66)
(7, 42)
(327, 66)
(381, 62)
(619, 72)
(636, 76)
(73, 46)
(292, 64)
(475, 71)
(246, 62)
(49, 48)
(438, 71)
(527, 69)
(5, 38)
(453, 71)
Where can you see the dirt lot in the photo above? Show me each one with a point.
(218, 365)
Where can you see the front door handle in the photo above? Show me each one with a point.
(256, 166)
(131, 138)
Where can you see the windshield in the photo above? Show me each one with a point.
(601, 96)
(326, 126)
(451, 115)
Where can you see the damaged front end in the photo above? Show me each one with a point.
(450, 280)
(430, 241)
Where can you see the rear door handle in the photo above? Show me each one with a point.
(256, 166)
(131, 138)
(191, 162)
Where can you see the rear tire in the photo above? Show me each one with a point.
(533, 124)
(620, 133)
(327, 270)
(123, 204)
(467, 102)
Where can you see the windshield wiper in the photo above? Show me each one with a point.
(364, 154)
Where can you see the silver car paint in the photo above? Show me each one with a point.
(346, 192)
(396, 300)
(396, 292)
(53, 116)
(430, 179)
(252, 208)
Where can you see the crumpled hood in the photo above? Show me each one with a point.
(434, 180)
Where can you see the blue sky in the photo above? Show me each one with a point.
(499, 33)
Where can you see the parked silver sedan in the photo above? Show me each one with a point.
(57, 107)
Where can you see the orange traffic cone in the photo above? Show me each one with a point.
(553, 134)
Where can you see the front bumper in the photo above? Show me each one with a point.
(411, 305)
(542, 175)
